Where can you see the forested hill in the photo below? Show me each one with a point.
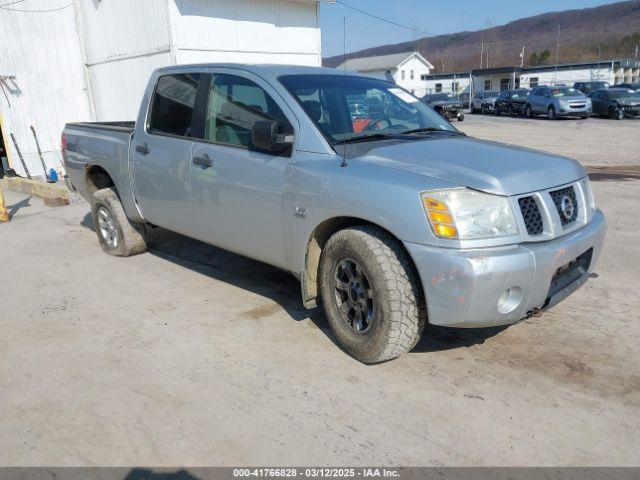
(605, 32)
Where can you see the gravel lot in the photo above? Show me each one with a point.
(188, 355)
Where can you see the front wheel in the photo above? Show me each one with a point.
(461, 117)
(551, 113)
(528, 112)
(371, 294)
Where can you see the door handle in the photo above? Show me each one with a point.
(142, 149)
(204, 161)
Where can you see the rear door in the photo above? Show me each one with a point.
(162, 152)
(241, 197)
(597, 103)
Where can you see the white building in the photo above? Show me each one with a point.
(405, 69)
(90, 60)
(611, 71)
(500, 78)
(455, 83)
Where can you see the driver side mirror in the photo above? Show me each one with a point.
(266, 135)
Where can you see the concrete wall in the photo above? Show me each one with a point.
(127, 40)
(42, 51)
(246, 31)
(83, 60)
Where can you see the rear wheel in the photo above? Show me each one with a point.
(371, 294)
(116, 234)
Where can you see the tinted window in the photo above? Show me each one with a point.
(614, 94)
(234, 105)
(172, 104)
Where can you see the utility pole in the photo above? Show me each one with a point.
(522, 58)
(482, 52)
(557, 54)
(4, 214)
(637, 47)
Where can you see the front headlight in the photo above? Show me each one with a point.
(467, 214)
(588, 194)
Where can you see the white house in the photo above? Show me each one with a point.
(405, 69)
(90, 60)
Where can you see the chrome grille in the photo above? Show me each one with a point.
(531, 215)
(557, 196)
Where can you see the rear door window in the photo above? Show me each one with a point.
(173, 103)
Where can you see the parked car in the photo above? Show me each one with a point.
(446, 104)
(557, 102)
(588, 87)
(511, 102)
(464, 98)
(407, 222)
(631, 86)
(484, 102)
(616, 103)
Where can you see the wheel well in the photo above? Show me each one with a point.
(97, 179)
(319, 238)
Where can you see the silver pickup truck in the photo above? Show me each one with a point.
(388, 215)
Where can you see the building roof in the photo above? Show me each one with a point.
(381, 62)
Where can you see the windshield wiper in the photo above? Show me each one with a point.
(364, 138)
(429, 130)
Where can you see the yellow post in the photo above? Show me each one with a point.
(4, 215)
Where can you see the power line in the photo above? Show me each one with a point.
(384, 19)
(32, 11)
(11, 3)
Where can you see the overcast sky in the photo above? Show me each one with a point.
(436, 17)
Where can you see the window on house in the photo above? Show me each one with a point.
(504, 83)
(402, 74)
(423, 77)
(438, 87)
(517, 83)
(487, 85)
(455, 86)
(533, 83)
(411, 74)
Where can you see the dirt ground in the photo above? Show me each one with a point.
(188, 355)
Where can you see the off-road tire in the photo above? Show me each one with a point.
(399, 307)
(131, 237)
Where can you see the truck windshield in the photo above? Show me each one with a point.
(349, 108)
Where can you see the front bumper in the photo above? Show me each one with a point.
(567, 111)
(463, 287)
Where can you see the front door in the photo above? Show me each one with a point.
(241, 196)
(162, 153)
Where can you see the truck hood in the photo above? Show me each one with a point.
(482, 165)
